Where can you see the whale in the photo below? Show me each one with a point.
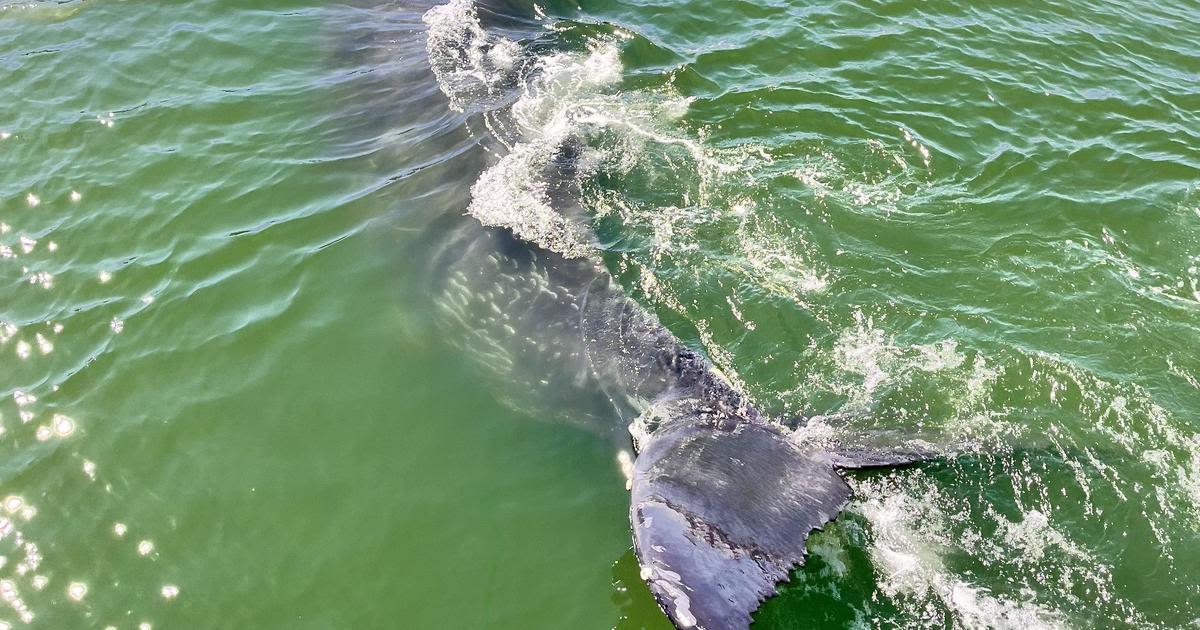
(723, 497)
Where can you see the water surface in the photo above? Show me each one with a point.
(230, 398)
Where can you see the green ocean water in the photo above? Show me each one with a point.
(229, 400)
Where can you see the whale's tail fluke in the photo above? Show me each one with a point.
(720, 516)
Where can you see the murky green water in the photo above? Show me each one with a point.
(231, 400)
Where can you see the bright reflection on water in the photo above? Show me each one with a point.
(25, 573)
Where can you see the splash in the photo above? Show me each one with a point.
(473, 67)
(919, 534)
(568, 128)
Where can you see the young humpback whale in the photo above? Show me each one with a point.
(722, 498)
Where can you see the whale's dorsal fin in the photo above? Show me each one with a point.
(721, 515)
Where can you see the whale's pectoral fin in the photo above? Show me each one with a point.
(720, 516)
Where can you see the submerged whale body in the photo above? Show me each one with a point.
(722, 498)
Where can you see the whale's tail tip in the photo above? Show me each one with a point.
(719, 517)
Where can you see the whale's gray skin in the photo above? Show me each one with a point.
(722, 499)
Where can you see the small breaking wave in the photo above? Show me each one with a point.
(473, 67)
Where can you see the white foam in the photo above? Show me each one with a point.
(907, 536)
(556, 103)
(513, 194)
(472, 66)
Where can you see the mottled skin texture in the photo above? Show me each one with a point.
(722, 499)
(728, 511)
